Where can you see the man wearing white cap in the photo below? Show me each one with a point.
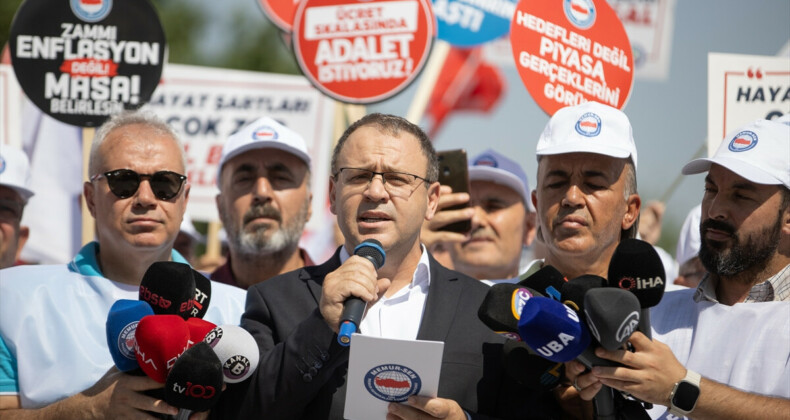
(14, 193)
(502, 217)
(734, 328)
(264, 202)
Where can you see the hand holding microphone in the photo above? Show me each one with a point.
(347, 289)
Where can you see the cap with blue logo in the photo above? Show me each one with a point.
(15, 171)
(591, 127)
(758, 151)
(495, 167)
(264, 133)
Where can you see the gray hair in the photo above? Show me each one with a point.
(123, 119)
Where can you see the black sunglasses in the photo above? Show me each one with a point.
(125, 182)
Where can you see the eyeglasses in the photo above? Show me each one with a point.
(125, 182)
(397, 184)
(10, 210)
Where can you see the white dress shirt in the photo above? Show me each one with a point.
(398, 316)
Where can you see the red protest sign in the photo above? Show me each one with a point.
(362, 51)
(281, 12)
(572, 51)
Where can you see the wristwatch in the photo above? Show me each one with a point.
(684, 395)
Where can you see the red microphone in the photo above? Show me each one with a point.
(160, 339)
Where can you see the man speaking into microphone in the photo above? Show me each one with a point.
(383, 186)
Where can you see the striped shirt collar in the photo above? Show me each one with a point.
(776, 288)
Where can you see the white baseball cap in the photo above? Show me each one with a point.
(689, 238)
(15, 171)
(784, 119)
(758, 151)
(261, 134)
(591, 127)
(495, 167)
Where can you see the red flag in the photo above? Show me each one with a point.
(466, 83)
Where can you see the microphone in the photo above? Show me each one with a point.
(237, 351)
(548, 281)
(636, 267)
(612, 315)
(198, 328)
(575, 289)
(195, 382)
(552, 330)
(202, 295)
(501, 308)
(159, 340)
(169, 287)
(354, 307)
(121, 324)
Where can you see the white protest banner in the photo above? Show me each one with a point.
(206, 105)
(744, 88)
(649, 25)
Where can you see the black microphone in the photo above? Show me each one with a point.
(548, 281)
(636, 267)
(354, 307)
(169, 287)
(500, 311)
(195, 381)
(573, 295)
(202, 295)
(501, 308)
(612, 315)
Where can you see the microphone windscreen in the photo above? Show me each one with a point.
(547, 281)
(169, 287)
(121, 324)
(198, 328)
(202, 295)
(501, 308)
(373, 251)
(237, 351)
(159, 340)
(636, 267)
(552, 330)
(612, 315)
(534, 372)
(574, 290)
(195, 382)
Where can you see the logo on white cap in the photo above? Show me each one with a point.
(581, 13)
(2, 165)
(589, 125)
(486, 160)
(264, 133)
(743, 141)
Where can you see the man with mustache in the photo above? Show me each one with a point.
(728, 341)
(502, 216)
(264, 202)
(383, 186)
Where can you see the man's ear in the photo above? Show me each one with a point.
(530, 228)
(332, 188)
(433, 200)
(24, 234)
(88, 191)
(309, 207)
(633, 204)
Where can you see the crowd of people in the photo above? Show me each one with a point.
(720, 342)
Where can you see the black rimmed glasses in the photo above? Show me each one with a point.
(397, 184)
(125, 182)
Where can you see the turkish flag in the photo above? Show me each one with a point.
(466, 83)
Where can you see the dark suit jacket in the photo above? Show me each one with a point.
(302, 371)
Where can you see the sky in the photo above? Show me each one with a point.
(669, 118)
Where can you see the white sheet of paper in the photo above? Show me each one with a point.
(381, 370)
